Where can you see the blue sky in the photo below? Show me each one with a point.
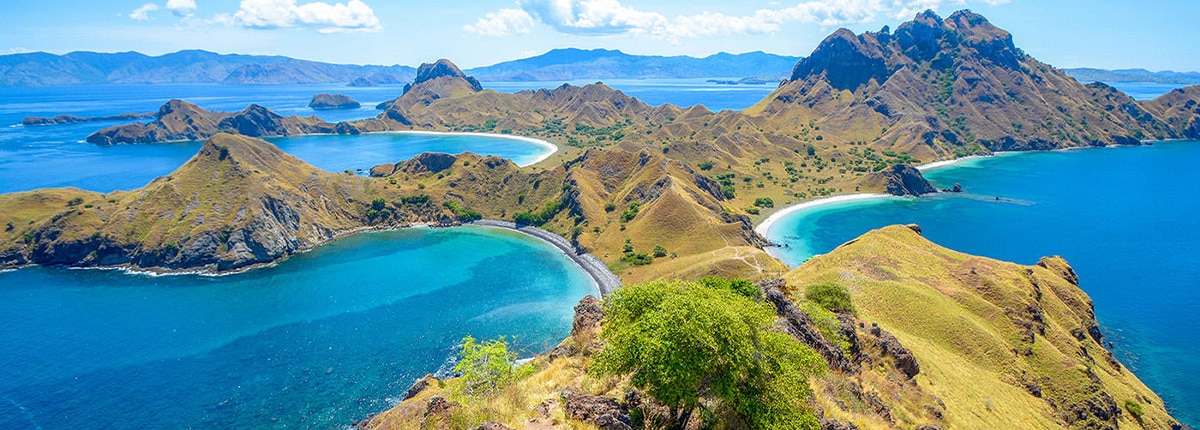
(1152, 34)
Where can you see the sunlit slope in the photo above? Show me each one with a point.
(1001, 344)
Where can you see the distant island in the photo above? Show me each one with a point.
(573, 64)
(1086, 75)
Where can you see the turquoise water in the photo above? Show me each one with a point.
(1125, 218)
(318, 341)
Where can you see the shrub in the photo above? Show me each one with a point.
(737, 285)
(707, 165)
(485, 366)
(764, 202)
(752, 210)
(632, 212)
(729, 191)
(660, 251)
(637, 259)
(833, 297)
(609, 207)
(828, 324)
(378, 203)
(682, 342)
(75, 201)
(1134, 408)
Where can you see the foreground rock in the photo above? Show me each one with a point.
(333, 102)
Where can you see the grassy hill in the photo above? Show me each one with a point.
(938, 339)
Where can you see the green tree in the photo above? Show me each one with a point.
(485, 366)
(684, 341)
(764, 202)
(659, 251)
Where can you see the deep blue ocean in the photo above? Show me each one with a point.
(1125, 218)
(327, 337)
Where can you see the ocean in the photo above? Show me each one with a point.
(328, 337)
(1125, 218)
(318, 341)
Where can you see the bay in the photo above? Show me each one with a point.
(318, 341)
(1125, 218)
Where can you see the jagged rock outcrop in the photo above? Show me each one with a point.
(891, 347)
(179, 120)
(333, 101)
(902, 180)
(604, 412)
(800, 326)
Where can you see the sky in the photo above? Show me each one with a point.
(1151, 34)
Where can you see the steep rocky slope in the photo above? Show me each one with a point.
(939, 88)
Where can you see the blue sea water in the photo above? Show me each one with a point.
(318, 341)
(1125, 218)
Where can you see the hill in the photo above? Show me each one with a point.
(191, 67)
(1087, 75)
(572, 64)
(936, 339)
(178, 120)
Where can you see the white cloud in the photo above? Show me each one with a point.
(353, 15)
(143, 13)
(181, 7)
(503, 22)
(599, 17)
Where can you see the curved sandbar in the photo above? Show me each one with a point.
(766, 224)
(550, 147)
(606, 281)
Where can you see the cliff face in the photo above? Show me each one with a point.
(179, 120)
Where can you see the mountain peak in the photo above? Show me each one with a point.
(443, 68)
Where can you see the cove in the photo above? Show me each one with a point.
(1125, 218)
(317, 341)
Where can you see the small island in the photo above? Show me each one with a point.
(333, 102)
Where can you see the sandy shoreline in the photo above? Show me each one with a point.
(766, 224)
(550, 147)
(606, 281)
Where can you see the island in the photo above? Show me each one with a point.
(332, 102)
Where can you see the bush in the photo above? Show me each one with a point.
(833, 297)
(417, 200)
(540, 217)
(75, 201)
(485, 366)
(609, 207)
(752, 210)
(729, 191)
(707, 165)
(737, 285)
(1134, 408)
(463, 214)
(637, 259)
(632, 212)
(378, 203)
(764, 202)
(828, 324)
(659, 251)
(681, 342)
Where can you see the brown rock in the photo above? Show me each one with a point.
(437, 414)
(492, 425)
(604, 412)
